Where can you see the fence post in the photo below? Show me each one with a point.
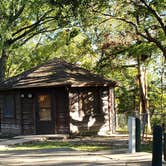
(164, 143)
(157, 146)
(131, 129)
(138, 134)
(165, 146)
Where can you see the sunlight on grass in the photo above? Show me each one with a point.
(56, 145)
(90, 148)
(123, 130)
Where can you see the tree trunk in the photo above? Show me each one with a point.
(144, 104)
(3, 63)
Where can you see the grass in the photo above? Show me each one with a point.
(123, 130)
(146, 147)
(58, 145)
(89, 146)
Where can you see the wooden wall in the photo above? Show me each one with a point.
(61, 103)
(27, 115)
(90, 110)
(80, 111)
(22, 122)
(11, 125)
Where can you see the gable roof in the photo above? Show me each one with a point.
(55, 72)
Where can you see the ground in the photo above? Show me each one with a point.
(116, 155)
(68, 157)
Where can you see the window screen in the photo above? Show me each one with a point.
(44, 107)
(9, 106)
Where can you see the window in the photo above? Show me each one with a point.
(9, 106)
(44, 107)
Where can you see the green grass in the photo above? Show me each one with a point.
(56, 145)
(122, 130)
(146, 147)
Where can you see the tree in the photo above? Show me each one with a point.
(68, 43)
(20, 21)
(121, 36)
(145, 17)
(23, 20)
(131, 30)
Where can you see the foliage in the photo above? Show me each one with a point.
(23, 20)
(69, 44)
(146, 18)
(128, 31)
(107, 37)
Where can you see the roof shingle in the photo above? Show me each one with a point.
(55, 72)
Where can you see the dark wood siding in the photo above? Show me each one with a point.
(11, 125)
(62, 110)
(59, 110)
(27, 106)
(88, 110)
(46, 125)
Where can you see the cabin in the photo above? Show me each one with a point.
(57, 98)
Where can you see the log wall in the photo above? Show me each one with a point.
(27, 121)
(90, 111)
(81, 111)
(61, 103)
(112, 110)
(11, 125)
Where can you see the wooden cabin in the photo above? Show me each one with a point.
(57, 98)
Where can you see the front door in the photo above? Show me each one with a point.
(44, 118)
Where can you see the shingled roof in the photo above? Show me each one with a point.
(55, 72)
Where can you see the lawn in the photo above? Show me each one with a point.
(60, 144)
(88, 145)
(146, 147)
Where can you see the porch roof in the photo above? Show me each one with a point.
(55, 72)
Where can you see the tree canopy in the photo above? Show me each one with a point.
(124, 40)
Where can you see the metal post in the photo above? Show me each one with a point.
(138, 134)
(131, 129)
(157, 146)
(165, 146)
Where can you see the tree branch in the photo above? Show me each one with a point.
(28, 29)
(147, 36)
(18, 13)
(157, 16)
(133, 25)
(36, 33)
(32, 25)
(151, 39)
